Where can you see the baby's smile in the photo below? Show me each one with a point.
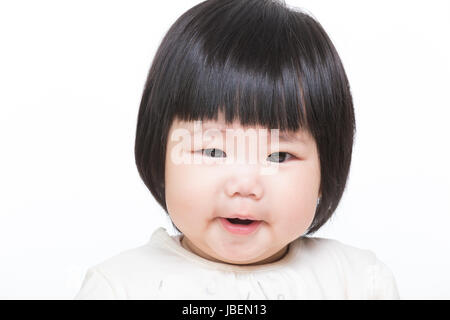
(238, 226)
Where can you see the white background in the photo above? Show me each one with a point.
(71, 79)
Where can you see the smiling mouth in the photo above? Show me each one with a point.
(240, 226)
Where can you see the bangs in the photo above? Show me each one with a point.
(271, 100)
(251, 97)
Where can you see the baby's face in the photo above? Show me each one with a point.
(278, 191)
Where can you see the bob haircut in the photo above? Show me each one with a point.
(260, 62)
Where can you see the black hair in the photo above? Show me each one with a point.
(257, 61)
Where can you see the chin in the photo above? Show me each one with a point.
(238, 262)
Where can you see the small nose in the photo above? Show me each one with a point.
(244, 184)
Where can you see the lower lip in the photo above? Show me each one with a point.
(240, 228)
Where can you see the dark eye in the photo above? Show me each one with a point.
(279, 156)
(213, 152)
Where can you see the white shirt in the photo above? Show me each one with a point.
(313, 268)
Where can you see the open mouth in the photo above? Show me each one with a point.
(240, 226)
(240, 221)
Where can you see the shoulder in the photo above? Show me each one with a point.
(360, 270)
(136, 260)
(155, 255)
(130, 271)
(325, 248)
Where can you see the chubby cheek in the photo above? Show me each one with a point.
(296, 203)
(296, 218)
(188, 195)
